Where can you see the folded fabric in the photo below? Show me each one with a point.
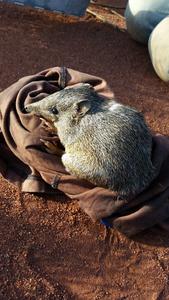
(26, 163)
(24, 160)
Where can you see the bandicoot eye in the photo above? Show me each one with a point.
(54, 110)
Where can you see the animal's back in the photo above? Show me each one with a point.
(113, 151)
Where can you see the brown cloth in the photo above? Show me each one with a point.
(25, 162)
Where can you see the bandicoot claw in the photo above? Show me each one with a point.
(52, 147)
(48, 126)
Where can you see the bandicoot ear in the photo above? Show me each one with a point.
(82, 107)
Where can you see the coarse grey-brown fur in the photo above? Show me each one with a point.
(106, 143)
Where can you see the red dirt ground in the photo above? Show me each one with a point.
(49, 248)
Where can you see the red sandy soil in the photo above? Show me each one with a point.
(49, 248)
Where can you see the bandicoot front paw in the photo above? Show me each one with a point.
(52, 147)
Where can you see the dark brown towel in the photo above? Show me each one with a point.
(25, 162)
